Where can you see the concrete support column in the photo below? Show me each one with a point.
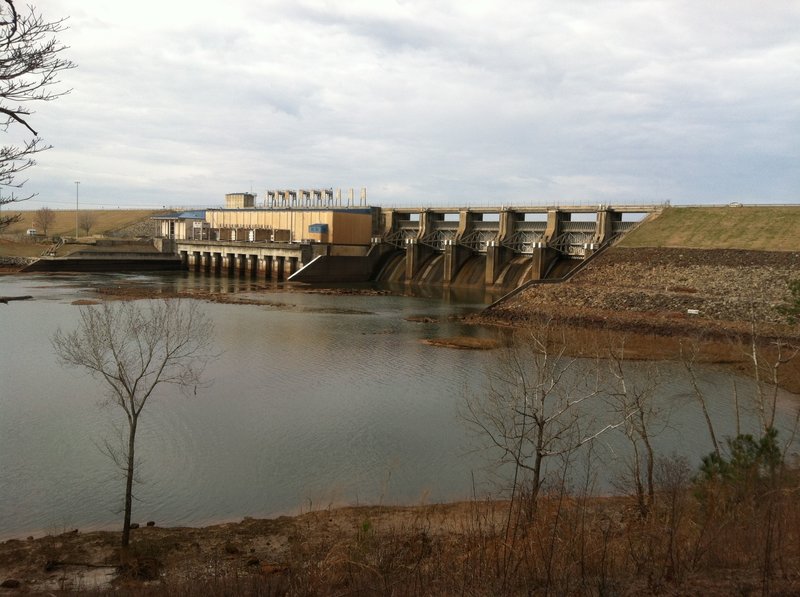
(196, 260)
(497, 256)
(464, 222)
(454, 257)
(230, 258)
(542, 259)
(416, 255)
(426, 222)
(605, 225)
(389, 222)
(507, 225)
(241, 264)
(554, 219)
(252, 265)
(279, 263)
(292, 266)
(207, 261)
(268, 267)
(216, 259)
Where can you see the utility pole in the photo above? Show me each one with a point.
(77, 184)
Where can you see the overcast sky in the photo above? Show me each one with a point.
(460, 102)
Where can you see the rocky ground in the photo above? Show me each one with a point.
(656, 289)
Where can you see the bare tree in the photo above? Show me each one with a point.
(44, 218)
(134, 348)
(634, 403)
(30, 64)
(533, 406)
(536, 406)
(767, 362)
(689, 355)
(86, 221)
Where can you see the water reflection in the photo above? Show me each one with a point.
(234, 283)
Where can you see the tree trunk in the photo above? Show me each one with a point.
(126, 524)
(537, 471)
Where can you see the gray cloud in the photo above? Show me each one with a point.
(457, 102)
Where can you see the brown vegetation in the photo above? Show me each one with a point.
(103, 221)
(43, 219)
(698, 539)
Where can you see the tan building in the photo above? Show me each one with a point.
(240, 200)
(334, 226)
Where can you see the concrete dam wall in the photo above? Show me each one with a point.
(492, 248)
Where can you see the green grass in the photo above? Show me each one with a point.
(754, 228)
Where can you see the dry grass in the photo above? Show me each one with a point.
(697, 539)
(14, 242)
(106, 220)
(23, 248)
(754, 228)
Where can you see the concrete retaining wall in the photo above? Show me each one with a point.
(335, 268)
(106, 264)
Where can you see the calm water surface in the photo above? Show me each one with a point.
(316, 400)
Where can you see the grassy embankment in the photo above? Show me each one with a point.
(751, 228)
(14, 243)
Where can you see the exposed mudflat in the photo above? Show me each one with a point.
(463, 343)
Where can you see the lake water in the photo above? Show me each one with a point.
(316, 400)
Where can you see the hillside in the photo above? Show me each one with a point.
(106, 221)
(751, 228)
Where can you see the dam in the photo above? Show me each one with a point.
(493, 247)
